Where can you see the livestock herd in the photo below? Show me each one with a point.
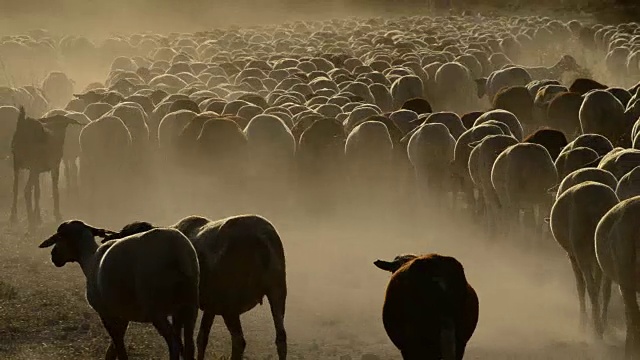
(528, 126)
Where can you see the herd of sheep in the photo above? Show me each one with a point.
(528, 126)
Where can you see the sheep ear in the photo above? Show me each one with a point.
(100, 232)
(474, 144)
(385, 265)
(106, 238)
(481, 86)
(553, 190)
(547, 220)
(22, 115)
(50, 241)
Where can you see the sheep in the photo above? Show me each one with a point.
(221, 148)
(58, 89)
(586, 174)
(505, 117)
(628, 184)
(566, 64)
(552, 140)
(521, 176)
(601, 113)
(238, 247)
(513, 76)
(480, 164)
(320, 160)
(620, 161)
(517, 100)
(142, 278)
(405, 88)
(368, 153)
(598, 143)
(430, 311)
(454, 87)
(541, 102)
(573, 220)
(574, 159)
(417, 105)
(105, 146)
(563, 113)
(461, 154)
(430, 151)
(37, 145)
(616, 248)
(271, 148)
(583, 86)
(449, 119)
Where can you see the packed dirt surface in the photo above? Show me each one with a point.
(528, 306)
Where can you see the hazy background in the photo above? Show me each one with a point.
(100, 18)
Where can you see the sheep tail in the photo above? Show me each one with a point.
(264, 252)
(185, 284)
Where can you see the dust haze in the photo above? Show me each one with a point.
(528, 302)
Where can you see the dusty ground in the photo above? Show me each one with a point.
(528, 304)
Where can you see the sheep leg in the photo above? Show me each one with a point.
(13, 218)
(164, 328)
(55, 179)
(238, 343)
(116, 330)
(580, 286)
(36, 200)
(66, 166)
(632, 315)
(203, 333)
(277, 302)
(606, 298)
(74, 177)
(593, 288)
(184, 323)
(28, 198)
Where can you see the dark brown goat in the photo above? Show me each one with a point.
(430, 311)
(37, 146)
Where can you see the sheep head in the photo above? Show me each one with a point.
(61, 121)
(393, 266)
(90, 96)
(68, 241)
(129, 229)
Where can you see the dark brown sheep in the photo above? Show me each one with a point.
(430, 311)
(552, 140)
(583, 86)
(145, 277)
(244, 247)
(517, 100)
(562, 113)
(419, 105)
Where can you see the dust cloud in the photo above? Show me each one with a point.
(528, 302)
